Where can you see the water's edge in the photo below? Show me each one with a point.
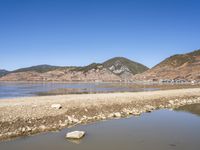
(161, 129)
(21, 127)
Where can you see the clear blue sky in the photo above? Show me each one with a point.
(79, 32)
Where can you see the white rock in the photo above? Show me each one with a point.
(72, 119)
(117, 114)
(66, 122)
(23, 129)
(28, 129)
(75, 135)
(111, 115)
(84, 117)
(128, 112)
(149, 108)
(103, 117)
(42, 127)
(62, 124)
(189, 102)
(56, 106)
(171, 102)
(161, 106)
(75, 120)
(136, 113)
(183, 102)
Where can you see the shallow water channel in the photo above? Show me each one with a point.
(17, 89)
(159, 130)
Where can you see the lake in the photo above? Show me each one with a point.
(159, 130)
(17, 89)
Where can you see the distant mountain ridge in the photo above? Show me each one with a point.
(176, 67)
(115, 69)
(181, 66)
(40, 68)
(3, 72)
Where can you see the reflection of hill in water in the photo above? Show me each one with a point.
(194, 109)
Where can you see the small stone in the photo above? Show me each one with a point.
(149, 108)
(84, 117)
(128, 112)
(9, 133)
(103, 118)
(169, 105)
(42, 127)
(95, 117)
(75, 120)
(117, 114)
(183, 102)
(66, 122)
(28, 129)
(111, 115)
(34, 106)
(161, 106)
(23, 129)
(75, 135)
(56, 106)
(189, 102)
(136, 114)
(72, 119)
(62, 124)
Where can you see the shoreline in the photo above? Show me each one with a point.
(31, 115)
(140, 82)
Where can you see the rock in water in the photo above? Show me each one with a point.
(56, 106)
(75, 135)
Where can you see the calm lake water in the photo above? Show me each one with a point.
(160, 130)
(14, 89)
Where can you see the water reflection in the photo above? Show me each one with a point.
(16, 89)
(193, 108)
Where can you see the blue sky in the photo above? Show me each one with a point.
(79, 32)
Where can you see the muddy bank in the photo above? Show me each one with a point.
(164, 86)
(26, 116)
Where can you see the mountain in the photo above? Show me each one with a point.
(181, 66)
(3, 72)
(115, 69)
(40, 68)
(121, 65)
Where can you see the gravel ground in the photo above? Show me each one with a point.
(30, 115)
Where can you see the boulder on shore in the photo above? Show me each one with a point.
(75, 135)
(117, 115)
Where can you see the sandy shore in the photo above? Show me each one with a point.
(30, 115)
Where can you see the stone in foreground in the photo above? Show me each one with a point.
(75, 135)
